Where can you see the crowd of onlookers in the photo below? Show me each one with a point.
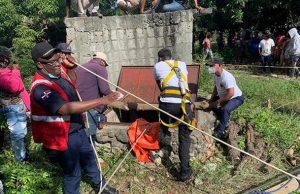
(280, 48)
(86, 8)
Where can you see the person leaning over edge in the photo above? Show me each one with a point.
(170, 75)
(226, 96)
(57, 121)
(91, 87)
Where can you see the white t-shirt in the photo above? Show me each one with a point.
(224, 82)
(162, 69)
(266, 46)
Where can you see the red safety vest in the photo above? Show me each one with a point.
(47, 128)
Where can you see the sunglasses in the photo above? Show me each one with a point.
(56, 62)
(51, 62)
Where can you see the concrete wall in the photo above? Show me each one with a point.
(132, 40)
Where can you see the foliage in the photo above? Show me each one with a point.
(9, 19)
(261, 15)
(37, 176)
(21, 24)
(278, 125)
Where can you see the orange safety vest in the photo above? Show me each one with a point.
(49, 129)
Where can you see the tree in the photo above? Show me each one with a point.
(22, 23)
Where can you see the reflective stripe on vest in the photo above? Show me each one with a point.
(40, 81)
(51, 119)
(174, 92)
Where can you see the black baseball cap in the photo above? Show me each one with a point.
(42, 50)
(214, 61)
(64, 47)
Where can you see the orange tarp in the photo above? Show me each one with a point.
(147, 142)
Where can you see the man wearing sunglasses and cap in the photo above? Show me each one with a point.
(226, 96)
(57, 121)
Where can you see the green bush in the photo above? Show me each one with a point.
(38, 176)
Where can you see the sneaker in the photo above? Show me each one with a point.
(186, 178)
(82, 15)
(107, 190)
(97, 14)
(219, 135)
(149, 11)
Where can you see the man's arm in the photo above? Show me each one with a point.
(80, 107)
(272, 47)
(103, 86)
(224, 99)
(51, 101)
(158, 84)
(214, 94)
(260, 48)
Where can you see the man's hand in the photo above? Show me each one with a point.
(114, 96)
(69, 61)
(215, 104)
(204, 105)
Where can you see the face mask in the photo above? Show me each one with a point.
(53, 76)
(211, 70)
(50, 75)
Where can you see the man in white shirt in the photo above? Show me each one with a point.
(171, 103)
(265, 49)
(226, 96)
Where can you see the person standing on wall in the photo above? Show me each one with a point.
(57, 122)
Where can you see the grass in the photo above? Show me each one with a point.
(279, 127)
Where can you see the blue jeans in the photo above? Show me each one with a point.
(79, 156)
(225, 112)
(17, 124)
(266, 61)
(174, 6)
(94, 118)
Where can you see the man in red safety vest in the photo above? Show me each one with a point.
(57, 122)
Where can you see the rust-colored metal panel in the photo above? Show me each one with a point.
(139, 80)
